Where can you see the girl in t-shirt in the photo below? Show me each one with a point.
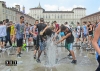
(12, 33)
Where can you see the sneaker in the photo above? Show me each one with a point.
(69, 55)
(38, 61)
(3, 49)
(34, 56)
(74, 61)
(18, 55)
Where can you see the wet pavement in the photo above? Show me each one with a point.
(85, 62)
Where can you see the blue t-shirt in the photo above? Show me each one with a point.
(3, 32)
(85, 30)
(62, 34)
(19, 30)
(27, 30)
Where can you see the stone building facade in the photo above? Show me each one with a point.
(14, 13)
(73, 16)
(93, 18)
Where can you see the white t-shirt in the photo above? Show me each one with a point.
(67, 26)
(3, 32)
(78, 30)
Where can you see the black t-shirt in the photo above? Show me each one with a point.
(41, 27)
(8, 29)
(90, 32)
(70, 39)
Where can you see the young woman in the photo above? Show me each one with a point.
(12, 33)
(90, 32)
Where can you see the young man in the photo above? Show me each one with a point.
(2, 35)
(27, 32)
(20, 29)
(4, 22)
(30, 34)
(96, 44)
(78, 32)
(69, 41)
(56, 28)
(8, 32)
(41, 29)
(84, 32)
(35, 37)
(66, 24)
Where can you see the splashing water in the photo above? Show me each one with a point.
(51, 53)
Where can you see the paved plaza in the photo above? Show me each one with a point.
(85, 62)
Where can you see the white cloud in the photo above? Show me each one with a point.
(50, 7)
(61, 8)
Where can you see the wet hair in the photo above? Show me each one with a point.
(48, 32)
(21, 17)
(63, 27)
(41, 20)
(7, 20)
(1, 22)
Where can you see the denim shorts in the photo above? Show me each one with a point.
(85, 35)
(2, 39)
(42, 45)
(78, 36)
(27, 36)
(30, 35)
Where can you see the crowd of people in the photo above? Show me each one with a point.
(38, 32)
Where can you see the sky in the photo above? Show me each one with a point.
(91, 6)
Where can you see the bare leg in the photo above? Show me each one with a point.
(39, 53)
(73, 55)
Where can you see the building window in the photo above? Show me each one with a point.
(3, 10)
(6, 11)
(37, 16)
(61, 17)
(46, 17)
(58, 17)
(6, 17)
(49, 17)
